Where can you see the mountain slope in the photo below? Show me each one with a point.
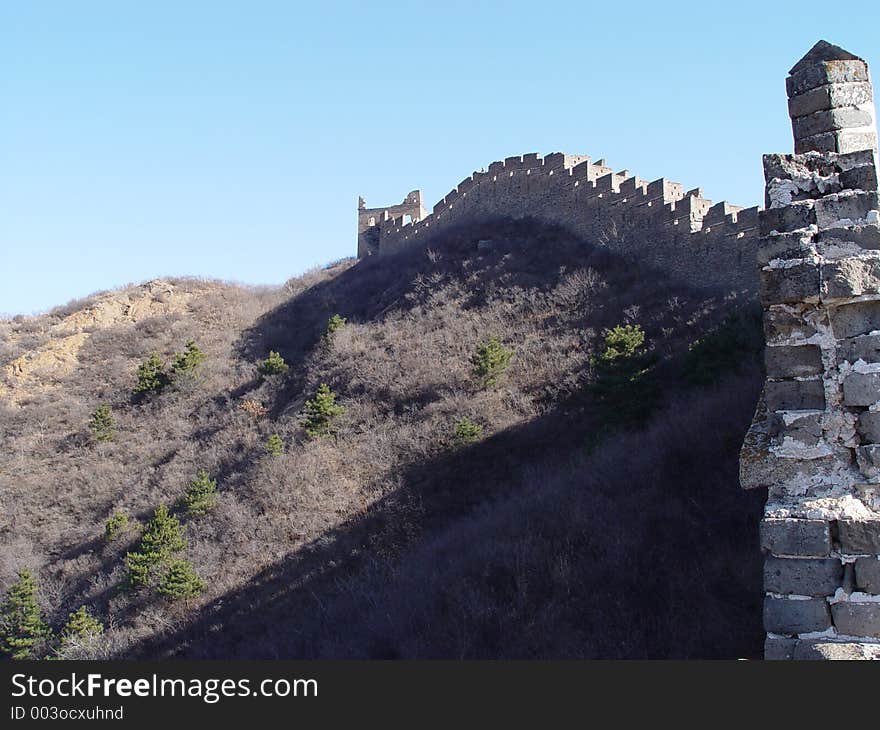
(387, 539)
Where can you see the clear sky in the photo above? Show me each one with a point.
(231, 139)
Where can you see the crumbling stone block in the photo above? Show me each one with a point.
(857, 619)
(869, 426)
(795, 615)
(829, 97)
(811, 76)
(863, 177)
(843, 140)
(803, 576)
(865, 235)
(850, 277)
(861, 389)
(797, 281)
(778, 648)
(857, 318)
(794, 395)
(868, 459)
(830, 120)
(800, 214)
(859, 537)
(868, 574)
(804, 427)
(793, 361)
(796, 245)
(850, 205)
(793, 536)
(783, 324)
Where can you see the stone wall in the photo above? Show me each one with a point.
(657, 222)
(815, 441)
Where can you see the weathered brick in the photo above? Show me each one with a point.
(790, 361)
(850, 205)
(829, 97)
(868, 459)
(865, 235)
(800, 214)
(804, 427)
(868, 575)
(793, 536)
(783, 323)
(857, 619)
(796, 616)
(842, 141)
(796, 245)
(863, 177)
(866, 347)
(852, 276)
(859, 537)
(803, 576)
(869, 426)
(830, 120)
(861, 389)
(827, 72)
(792, 283)
(794, 395)
(778, 648)
(858, 318)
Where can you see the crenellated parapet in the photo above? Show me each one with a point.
(814, 443)
(657, 222)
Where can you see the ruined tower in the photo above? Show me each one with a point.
(370, 220)
(815, 440)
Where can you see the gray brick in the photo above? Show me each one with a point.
(794, 283)
(781, 324)
(868, 459)
(869, 426)
(858, 318)
(857, 619)
(868, 575)
(849, 205)
(803, 426)
(794, 395)
(865, 235)
(792, 536)
(829, 97)
(796, 245)
(778, 649)
(829, 72)
(830, 120)
(843, 141)
(788, 218)
(803, 576)
(863, 177)
(861, 389)
(849, 277)
(793, 361)
(859, 537)
(866, 347)
(796, 616)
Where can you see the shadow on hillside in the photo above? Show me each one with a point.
(521, 546)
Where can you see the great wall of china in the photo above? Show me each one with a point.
(664, 226)
(813, 256)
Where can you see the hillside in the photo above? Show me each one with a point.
(564, 529)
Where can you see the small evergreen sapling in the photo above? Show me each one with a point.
(466, 431)
(162, 539)
(274, 445)
(151, 377)
(335, 322)
(188, 360)
(490, 361)
(101, 424)
(116, 525)
(201, 494)
(81, 625)
(320, 412)
(181, 581)
(273, 365)
(22, 629)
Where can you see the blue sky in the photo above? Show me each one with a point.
(231, 139)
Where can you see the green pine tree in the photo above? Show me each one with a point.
(188, 360)
(162, 539)
(181, 581)
(81, 625)
(334, 323)
(22, 629)
(623, 388)
(201, 494)
(151, 376)
(117, 524)
(490, 361)
(274, 445)
(101, 424)
(466, 431)
(320, 412)
(273, 365)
